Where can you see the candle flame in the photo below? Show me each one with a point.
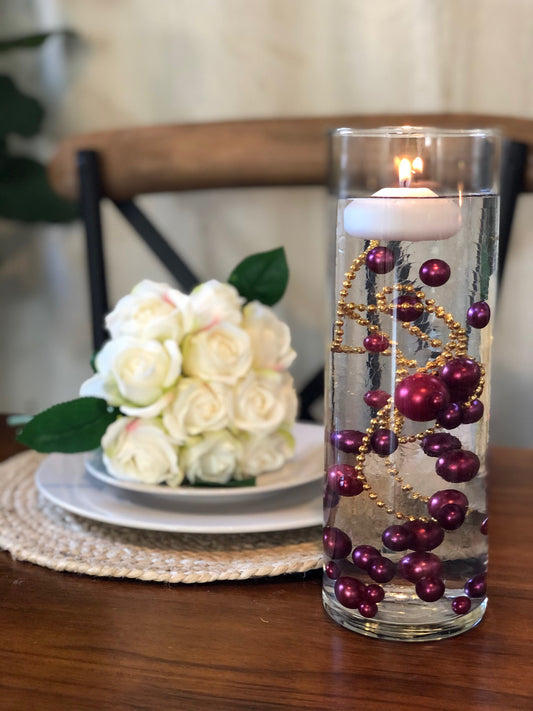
(404, 172)
(406, 169)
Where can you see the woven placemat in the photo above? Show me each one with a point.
(34, 530)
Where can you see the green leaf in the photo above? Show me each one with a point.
(26, 195)
(20, 113)
(262, 277)
(73, 426)
(30, 41)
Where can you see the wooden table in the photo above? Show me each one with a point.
(74, 642)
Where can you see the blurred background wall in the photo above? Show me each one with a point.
(138, 62)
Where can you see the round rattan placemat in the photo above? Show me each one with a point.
(34, 530)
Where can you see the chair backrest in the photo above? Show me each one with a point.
(122, 164)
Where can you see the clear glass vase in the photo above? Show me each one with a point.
(407, 402)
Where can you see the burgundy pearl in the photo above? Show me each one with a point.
(421, 396)
(364, 555)
(381, 569)
(374, 593)
(376, 398)
(478, 315)
(461, 605)
(472, 413)
(484, 528)
(450, 517)
(376, 342)
(443, 498)
(461, 376)
(332, 570)
(342, 479)
(458, 465)
(349, 591)
(397, 538)
(429, 589)
(368, 609)
(380, 260)
(451, 417)
(438, 442)
(477, 586)
(384, 442)
(418, 565)
(425, 535)
(337, 544)
(407, 307)
(347, 440)
(434, 272)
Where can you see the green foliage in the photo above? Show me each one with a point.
(262, 277)
(73, 426)
(24, 190)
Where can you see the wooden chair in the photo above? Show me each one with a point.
(122, 164)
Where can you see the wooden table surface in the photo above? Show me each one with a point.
(75, 642)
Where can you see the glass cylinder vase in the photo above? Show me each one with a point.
(407, 401)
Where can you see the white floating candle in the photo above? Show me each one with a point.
(403, 213)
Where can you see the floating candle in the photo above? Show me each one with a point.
(403, 213)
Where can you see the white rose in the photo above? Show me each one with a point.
(269, 336)
(197, 407)
(213, 302)
(133, 374)
(141, 450)
(213, 458)
(265, 453)
(263, 400)
(221, 353)
(153, 310)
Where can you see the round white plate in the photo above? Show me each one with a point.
(63, 480)
(307, 465)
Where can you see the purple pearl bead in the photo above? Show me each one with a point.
(380, 260)
(434, 272)
(450, 517)
(397, 538)
(330, 499)
(349, 591)
(458, 465)
(451, 417)
(420, 396)
(478, 315)
(342, 479)
(425, 535)
(374, 593)
(364, 555)
(407, 308)
(484, 528)
(347, 440)
(418, 565)
(443, 498)
(332, 570)
(382, 569)
(376, 343)
(477, 586)
(461, 376)
(429, 589)
(376, 398)
(368, 609)
(384, 442)
(437, 443)
(461, 605)
(472, 413)
(337, 543)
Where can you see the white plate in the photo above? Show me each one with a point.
(63, 480)
(306, 465)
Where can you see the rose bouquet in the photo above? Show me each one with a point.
(190, 388)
